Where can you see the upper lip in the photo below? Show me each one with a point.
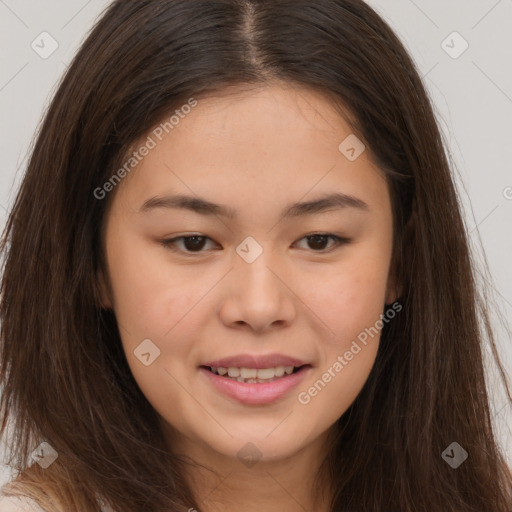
(255, 361)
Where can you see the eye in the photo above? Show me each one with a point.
(192, 244)
(195, 243)
(319, 240)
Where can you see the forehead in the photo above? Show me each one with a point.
(260, 146)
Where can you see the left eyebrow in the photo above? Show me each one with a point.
(202, 206)
(335, 201)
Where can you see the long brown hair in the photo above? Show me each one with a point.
(64, 375)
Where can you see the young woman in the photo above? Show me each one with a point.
(237, 276)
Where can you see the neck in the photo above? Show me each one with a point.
(222, 483)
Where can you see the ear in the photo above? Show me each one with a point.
(397, 272)
(393, 290)
(103, 291)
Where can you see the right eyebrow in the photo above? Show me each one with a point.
(202, 206)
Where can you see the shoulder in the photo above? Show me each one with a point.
(18, 504)
(15, 498)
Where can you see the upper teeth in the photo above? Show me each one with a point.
(254, 373)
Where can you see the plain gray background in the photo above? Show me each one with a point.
(471, 90)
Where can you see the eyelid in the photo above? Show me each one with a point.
(169, 243)
(339, 241)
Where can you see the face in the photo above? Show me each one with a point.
(247, 240)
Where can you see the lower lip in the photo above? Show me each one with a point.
(254, 393)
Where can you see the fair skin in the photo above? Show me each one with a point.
(256, 153)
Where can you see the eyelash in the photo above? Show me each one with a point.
(169, 243)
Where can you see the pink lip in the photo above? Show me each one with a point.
(253, 361)
(254, 393)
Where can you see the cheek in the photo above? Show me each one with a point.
(158, 302)
(347, 357)
(352, 299)
(150, 296)
(351, 304)
(336, 385)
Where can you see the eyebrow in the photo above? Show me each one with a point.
(202, 206)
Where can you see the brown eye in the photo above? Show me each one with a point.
(194, 243)
(318, 242)
(189, 244)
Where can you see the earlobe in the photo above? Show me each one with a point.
(394, 288)
(398, 273)
(103, 291)
(393, 291)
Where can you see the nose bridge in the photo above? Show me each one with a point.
(255, 277)
(257, 296)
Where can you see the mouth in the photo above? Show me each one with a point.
(254, 386)
(255, 375)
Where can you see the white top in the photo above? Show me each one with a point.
(26, 504)
(18, 504)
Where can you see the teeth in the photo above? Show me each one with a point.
(234, 372)
(253, 374)
(250, 373)
(267, 373)
(280, 371)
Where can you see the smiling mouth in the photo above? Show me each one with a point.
(255, 375)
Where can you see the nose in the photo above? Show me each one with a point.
(257, 296)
